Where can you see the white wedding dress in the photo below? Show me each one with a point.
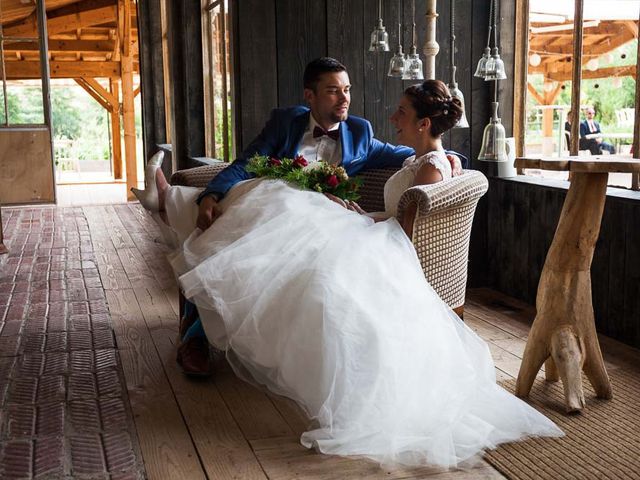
(326, 307)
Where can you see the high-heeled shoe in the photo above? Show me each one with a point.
(148, 197)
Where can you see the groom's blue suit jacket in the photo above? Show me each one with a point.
(281, 137)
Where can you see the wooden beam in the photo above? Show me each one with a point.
(136, 91)
(57, 46)
(116, 138)
(78, 15)
(24, 69)
(534, 93)
(564, 74)
(104, 93)
(82, 82)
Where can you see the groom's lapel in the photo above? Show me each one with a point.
(346, 141)
(298, 126)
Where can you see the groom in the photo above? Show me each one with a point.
(324, 131)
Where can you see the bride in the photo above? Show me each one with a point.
(324, 305)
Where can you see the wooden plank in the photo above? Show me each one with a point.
(62, 69)
(537, 248)
(255, 414)
(72, 17)
(600, 266)
(137, 271)
(629, 322)
(256, 26)
(223, 450)
(156, 309)
(299, 41)
(521, 233)
(345, 42)
(61, 46)
(284, 458)
(118, 234)
(166, 445)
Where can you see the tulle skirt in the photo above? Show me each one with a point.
(332, 310)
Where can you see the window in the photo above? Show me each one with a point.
(218, 79)
(21, 97)
(607, 90)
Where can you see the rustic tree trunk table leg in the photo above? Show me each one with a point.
(563, 333)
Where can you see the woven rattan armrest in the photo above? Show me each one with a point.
(197, 177)
(442, 230)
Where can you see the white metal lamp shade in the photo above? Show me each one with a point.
(493, 140)
(457, 93)
(413, 66)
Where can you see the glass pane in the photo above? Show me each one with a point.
(21, 61)
(549, 79)
(610, 43)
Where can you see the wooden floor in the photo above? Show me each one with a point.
(223, 428)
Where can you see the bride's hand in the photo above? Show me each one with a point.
(348, 204)
(456, 165)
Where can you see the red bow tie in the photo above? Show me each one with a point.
(319, 131)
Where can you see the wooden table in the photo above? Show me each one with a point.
(563, 334)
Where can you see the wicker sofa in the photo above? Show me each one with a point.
(441, 229)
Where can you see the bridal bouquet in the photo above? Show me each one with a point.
(319, 176)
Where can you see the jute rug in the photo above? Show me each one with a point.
(602, 442)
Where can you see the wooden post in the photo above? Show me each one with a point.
(116, 138)
(128, 112)
(430, 47)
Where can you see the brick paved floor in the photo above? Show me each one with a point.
(64, 410)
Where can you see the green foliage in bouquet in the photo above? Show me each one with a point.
(318, 176)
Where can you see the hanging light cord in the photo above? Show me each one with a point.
(490, 18)
(453, 41)
(495, 24)
(413, 20)
(379, 9)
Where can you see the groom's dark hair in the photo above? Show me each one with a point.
(317, 67)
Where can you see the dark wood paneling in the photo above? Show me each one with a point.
(460, 137)
(346, 43)
(185, 51)
(152, 78)
(382, 93)
(506, 42)
(301, 29)
(256, 67)
(630, 320)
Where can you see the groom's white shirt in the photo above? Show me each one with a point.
(320, 148)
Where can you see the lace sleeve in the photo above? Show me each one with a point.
(436, 158)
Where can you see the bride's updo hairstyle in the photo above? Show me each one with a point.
(431, 99)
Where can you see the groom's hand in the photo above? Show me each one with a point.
(456, 165)
(208, 212)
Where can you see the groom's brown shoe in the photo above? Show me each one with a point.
(194, 358)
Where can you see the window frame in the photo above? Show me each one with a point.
(520, 80)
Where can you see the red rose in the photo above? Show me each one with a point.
(300, 161)
(332, 181)
(275, 161)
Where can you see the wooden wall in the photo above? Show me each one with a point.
(522, 218)
(277, 38)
